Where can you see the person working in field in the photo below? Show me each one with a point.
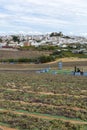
(78, 70)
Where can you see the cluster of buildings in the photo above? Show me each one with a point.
(36, 40)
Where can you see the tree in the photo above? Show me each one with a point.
(56, 34)
(0, 40)
(60, 34)
(15, 38)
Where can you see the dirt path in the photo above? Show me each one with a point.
(58, 94)
(6, 128)
(33, 67)
(43, 116)
(71, 59)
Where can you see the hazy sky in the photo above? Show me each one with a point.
(42, 16)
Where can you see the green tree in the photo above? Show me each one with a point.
(15, 38)
(0, 40)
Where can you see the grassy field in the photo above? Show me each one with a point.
(32, 101)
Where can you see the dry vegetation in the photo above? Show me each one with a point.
(22, 54)
(67, 64)
(31, 101)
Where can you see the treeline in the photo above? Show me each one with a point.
(39, 48)
(41, 59)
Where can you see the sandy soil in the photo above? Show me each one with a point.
(6, 128)
(69, 60)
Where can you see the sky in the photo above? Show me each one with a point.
(43, 16)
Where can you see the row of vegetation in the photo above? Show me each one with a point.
(40, 107)
(25, 122)
(44, 58)
(54, 95)
(41, 59)
(52, 48)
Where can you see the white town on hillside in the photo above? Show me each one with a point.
(58, 39)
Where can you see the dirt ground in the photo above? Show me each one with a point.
(67, 63)
(6, 128)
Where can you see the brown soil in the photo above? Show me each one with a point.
(6, 128)
(22, 54)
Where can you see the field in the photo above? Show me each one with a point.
(6, 54)
(43, 101)
(32, 101)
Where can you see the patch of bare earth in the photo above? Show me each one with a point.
(83, 91)
(6, 128)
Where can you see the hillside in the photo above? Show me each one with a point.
(21, 54)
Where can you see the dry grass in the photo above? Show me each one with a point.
(22, 54)
(67, 64)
